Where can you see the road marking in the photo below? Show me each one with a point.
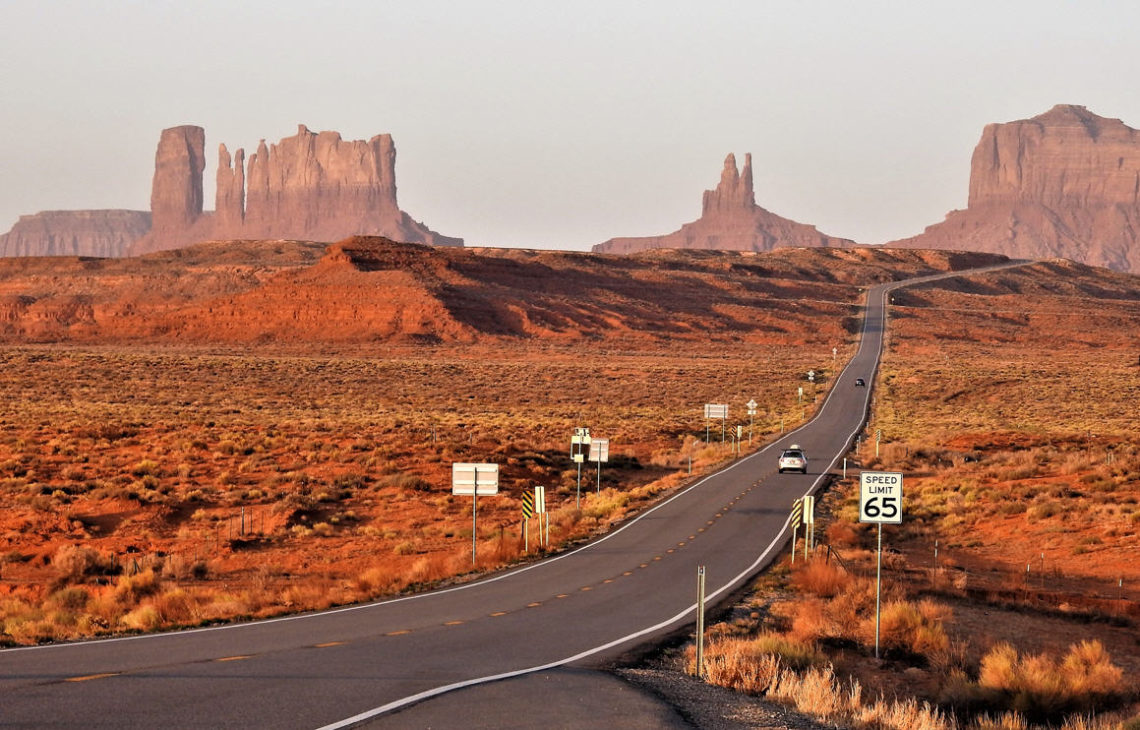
(534, 605)
(644, 565)
(656, 557)
(237, 658)
(89, 677)
(608, 580)
(452, 623)
(670, 550)
(680, 544)
(499, 613)
(586, 588)
(628, 572)
(401, 632)
(327, 644)
(562, 595)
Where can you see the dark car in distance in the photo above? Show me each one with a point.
(859, 382)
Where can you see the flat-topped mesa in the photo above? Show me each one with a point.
(730, 221)
(313, 186)
(104, 233)
(1062, 184)
(1066, 156)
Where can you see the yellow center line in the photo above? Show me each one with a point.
(586, 588)
(670, 550)
(562, 595)
(644, 565)
(533, 605)
(452, 623)
(657, 557)
(89, 677)
(327, 644)
(398, 633)
(680, 544)
(628, 572)
(608, 580)
(499, 613)
(237, 658)
(692, 537)
(702, 529)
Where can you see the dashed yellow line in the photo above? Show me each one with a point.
(562, 595)
(89, 677)
(499, 613)
(608, 580)
(534, 605)
(644, 565)
(327, 644)
(628, 572)
(401, 632)
(237, 658)
(586, 588)
(656, 557)
(670, 550)
(452, 623)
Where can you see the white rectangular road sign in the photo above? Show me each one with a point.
(599, 450)
(809, 510)
(881, 497)
(716, 410)
(539, 500)
(463, 479)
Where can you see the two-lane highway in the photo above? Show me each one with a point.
(345, 666)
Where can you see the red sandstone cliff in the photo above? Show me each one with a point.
(730, 221)
(75, 233)
(312, 187)
(1063, 184)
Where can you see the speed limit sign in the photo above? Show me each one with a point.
(880, 497)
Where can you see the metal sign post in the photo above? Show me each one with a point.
(540, 510)
(599, 452)
(797, 518)
(474, 479)
(579, 448)
(880, 501)
(751, 417)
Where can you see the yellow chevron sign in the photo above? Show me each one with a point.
(528, 505)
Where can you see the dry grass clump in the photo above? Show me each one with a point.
(1042, 687)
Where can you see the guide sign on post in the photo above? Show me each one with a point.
(599, 452)
(715, 410)
(880, 502)
(540, 510)
(474, 479)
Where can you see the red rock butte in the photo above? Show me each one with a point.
(730, 221)
(1064, 184)
(311, 187)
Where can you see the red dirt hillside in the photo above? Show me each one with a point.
(373, 290)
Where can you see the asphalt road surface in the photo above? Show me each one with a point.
(363, 664)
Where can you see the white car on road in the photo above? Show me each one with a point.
(793, 459)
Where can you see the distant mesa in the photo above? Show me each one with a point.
(312, 187)
(730, 221)
(105, 233)
(1064, 184)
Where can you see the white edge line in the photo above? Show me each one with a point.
(427, 694)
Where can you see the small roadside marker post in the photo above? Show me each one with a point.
(809, 524)
(880, 501)
(797, 518)
(751, 418)
(700, 622)
(540, 508)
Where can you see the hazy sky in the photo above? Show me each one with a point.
(559, 124)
